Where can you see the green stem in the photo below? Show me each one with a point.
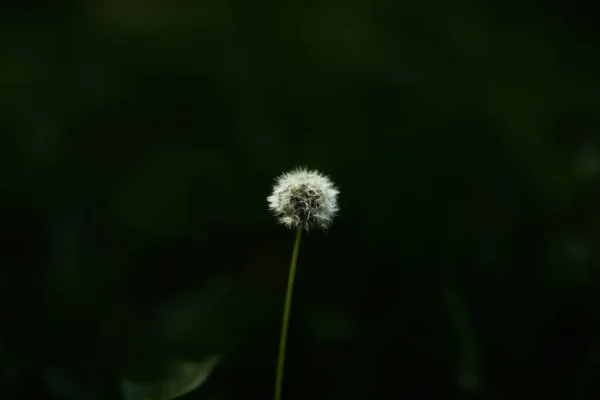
(286, 316)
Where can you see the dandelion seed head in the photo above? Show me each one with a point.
(303, 198)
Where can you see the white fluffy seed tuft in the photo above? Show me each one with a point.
(303, 198)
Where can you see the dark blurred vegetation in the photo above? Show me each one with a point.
(139, 141)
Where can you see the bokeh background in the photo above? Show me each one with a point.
(138, 143)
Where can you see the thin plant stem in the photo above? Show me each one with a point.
(286, 315)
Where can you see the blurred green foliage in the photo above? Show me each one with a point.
(139, 141)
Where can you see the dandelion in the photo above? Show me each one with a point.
(301, 200)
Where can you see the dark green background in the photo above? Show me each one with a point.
(138, 143)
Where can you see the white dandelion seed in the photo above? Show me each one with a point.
(303, 198)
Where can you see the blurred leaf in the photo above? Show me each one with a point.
(182, 378)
